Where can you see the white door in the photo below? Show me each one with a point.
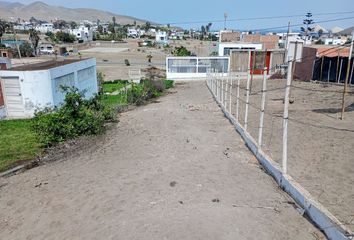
(13, 97)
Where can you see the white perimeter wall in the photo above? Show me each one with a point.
(38, 87)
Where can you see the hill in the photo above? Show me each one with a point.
(43, 11)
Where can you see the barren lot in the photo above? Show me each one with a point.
(175, 169)
(320, 146)
(111, 58)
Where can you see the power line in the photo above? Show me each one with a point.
(301, 24)
(257, 18)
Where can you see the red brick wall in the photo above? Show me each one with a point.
(230, 36)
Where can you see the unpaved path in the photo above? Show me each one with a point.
(169, 170)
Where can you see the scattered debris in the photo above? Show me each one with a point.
(317, 236)
(260, 207)
(40, 184)
(226, 152)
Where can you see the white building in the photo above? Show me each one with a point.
(196, 68)
(161, 38)
(334, 41)
(46, 48)
(225, 48)
(283, 36)
(23, 27)
(45, 27)
(31, 87)
(132, 32)
(82, 33)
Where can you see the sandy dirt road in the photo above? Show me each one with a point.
(175, 169)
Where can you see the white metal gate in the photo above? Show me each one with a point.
(13, 97)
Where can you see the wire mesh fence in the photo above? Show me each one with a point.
(319, 145)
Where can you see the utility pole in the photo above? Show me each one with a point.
(286, 42)
(347, 77)
(225, 18)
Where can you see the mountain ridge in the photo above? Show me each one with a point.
(46, 12)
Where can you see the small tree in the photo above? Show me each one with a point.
(100, 29)
(181, 51)
(26, 50)
(73, 25)
(308, 21)
(3, 26)
(147, 26)
(320, 32)
(149, 57)
(34, 38)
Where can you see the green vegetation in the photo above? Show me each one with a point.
(76, 117)
(137, 94)
(61, 37)
(181, 51)
(168, 84)
(110, 87)
(23, 140)
(17, 143)
(26, 50)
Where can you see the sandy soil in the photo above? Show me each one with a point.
(175, 169)
(111, 57)
(320, 150)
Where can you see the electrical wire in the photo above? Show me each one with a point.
(256, 18)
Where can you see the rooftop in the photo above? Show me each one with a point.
(45, 65)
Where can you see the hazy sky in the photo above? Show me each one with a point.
(178, 11)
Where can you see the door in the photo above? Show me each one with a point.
(13, 97)
(259, 59)
(2, 102)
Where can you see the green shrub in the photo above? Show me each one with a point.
(76, 117)
(168, 84)
(139, 93)
(181, 51)
(126, 62)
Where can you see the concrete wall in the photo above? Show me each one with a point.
(35, 89)
(84, 78)
(39, 89)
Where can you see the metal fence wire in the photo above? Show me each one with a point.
(297, 124)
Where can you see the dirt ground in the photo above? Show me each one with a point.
(175, 169)
(320, 147)
(111, 57)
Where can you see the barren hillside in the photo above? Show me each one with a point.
(47, 12)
